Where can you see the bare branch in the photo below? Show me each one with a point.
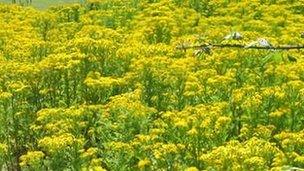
(240, 46)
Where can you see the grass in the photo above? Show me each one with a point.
(43, 4)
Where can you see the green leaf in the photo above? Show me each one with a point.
(275, 57)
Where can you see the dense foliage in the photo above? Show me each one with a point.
(101, 86)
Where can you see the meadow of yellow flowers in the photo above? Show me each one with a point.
(101, 86)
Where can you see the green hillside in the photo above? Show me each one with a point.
(43, 4)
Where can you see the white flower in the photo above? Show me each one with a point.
(264, 43)
(261, 42)
(234, 35)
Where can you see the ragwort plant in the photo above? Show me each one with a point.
(101, 86)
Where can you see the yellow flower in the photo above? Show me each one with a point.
(191, 169)
(296, 84)
(91, 152)
(31, 158)
(237, 95)
(299, 160)
(17, 86)
(182, 123)
(264, 132)
(5, 95)
(245, 131)
(222, 122)
(93, 168)
(3, 149)
(96, 162)
(143, 163)
(205, 123)
(59, 143)
(253, 102)
(279, 113)
(255, 162)
(192, 132)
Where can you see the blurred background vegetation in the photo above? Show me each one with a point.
(43, 4)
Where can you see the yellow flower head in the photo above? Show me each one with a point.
(143, 163)
(31, 158)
